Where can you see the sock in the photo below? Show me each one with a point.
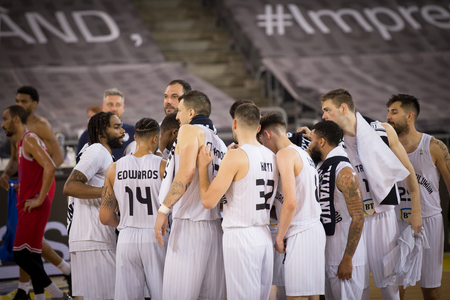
(54, 291)
(39, 296)
(24, 286)
(64, 267)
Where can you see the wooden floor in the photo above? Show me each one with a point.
(412, 293)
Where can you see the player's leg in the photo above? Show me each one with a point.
(185, 265)
(381, 234)
(213, 285)
(153, 257)
(305, 262)
(244, 251)
(433, 258)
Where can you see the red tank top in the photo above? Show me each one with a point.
(30, 175)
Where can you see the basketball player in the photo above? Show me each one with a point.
(173, 91)
(113, 101)
(372, 163)
(194, 260)
(28, 98)
(92, 245)
(132, 184)
(169, 132)
(342, 214)
(34, 200)
(248, 177)
(300, 234)
(429, 157)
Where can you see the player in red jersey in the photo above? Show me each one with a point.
(34, 200)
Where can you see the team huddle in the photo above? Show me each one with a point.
(181, 216)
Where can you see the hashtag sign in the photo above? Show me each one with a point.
(269, 20)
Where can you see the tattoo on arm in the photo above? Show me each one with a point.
(176, 190)
(349, 186)
(444, 150)
(77, 176)
(109, 201)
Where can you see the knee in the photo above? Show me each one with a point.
(22, 256)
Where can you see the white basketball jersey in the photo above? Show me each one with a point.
(370, 206)
(85, 230)
(308, 208)
(248, 201)
(189, 206)
(428, 177)
(136, 187)
(336, 244)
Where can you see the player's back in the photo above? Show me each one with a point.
(248, 201)
(136, 186)
(190, 205)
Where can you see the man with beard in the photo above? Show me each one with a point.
(342, 215)
(34, 200)
(429, 157)
(380, 161)
(28, 98)
(132, 185)
(92, 245)
(300, 233)
(113, 101)
(173, 91)
(194, 260)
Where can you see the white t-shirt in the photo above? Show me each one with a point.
(86, 232)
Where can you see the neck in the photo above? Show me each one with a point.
(247, 137)
(20, 131)
(143, 149)
(410, 138)
(104, 142)
(30, 117)
(325, 151)
(283, 142)
(349, 128)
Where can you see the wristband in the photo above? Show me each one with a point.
(164, 209)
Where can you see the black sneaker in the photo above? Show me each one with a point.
(68, 279)
(21, 295)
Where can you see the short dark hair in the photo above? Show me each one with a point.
(29, 90)
(249, 114)
(408, 103)
(339, 96)
(170, 122)
(272, 119)
(146, 128)
(198, 101)
(186, 86)
(97, 126)
(237, 103)
(330, 131)
(17, 110)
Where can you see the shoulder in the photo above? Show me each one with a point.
(437, 146)
(32, 138)
(188, 133)
(287, 152)
(42, 127)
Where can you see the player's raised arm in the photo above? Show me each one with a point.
(108, 215)
(411, 181)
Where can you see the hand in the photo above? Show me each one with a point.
(415, 220)
(280, 245)
(306, 132)
(160, 225)
(345, 268)
(233, 146)
(4, 181)
(204, 157)
(32, 203)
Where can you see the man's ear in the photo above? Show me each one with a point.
(234, 126)
(174, 132)
(410, 116)
(259, 129)
(267, 133)
(344, 108)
